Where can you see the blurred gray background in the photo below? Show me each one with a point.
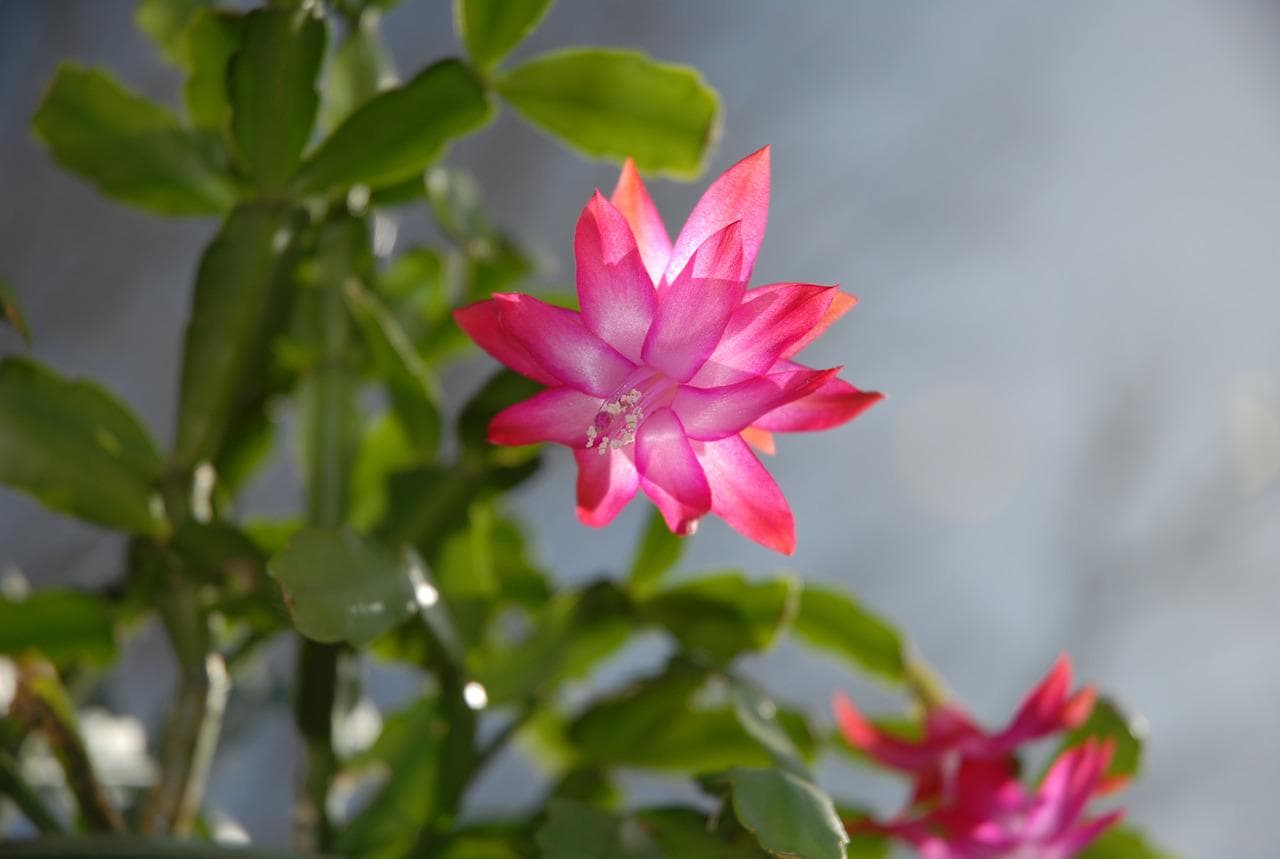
(1062, 222)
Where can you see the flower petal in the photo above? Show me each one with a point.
(889, 751)
(761, 440)
(841, 304)
(714, 413)
(559, 342)
(762, 330)
(694, 310)
(745, 495)
(481, 322)
(741, 193)
(669, 472)
(605, 485)
(834, 403)
(559, 415)
(633, 201)
(1047, 709)
(617, 297)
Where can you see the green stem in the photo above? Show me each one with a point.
(14, 786)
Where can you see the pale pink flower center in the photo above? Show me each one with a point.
(642, 393)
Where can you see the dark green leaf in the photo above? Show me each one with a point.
(683, 833)
(723, 615)
(165, 22)
(613, 104)
(491, 28)
(659, 551)
(359, 69)
(411, 384)
(1108, 721)
(503, 389)
(398, 132)
(77, 449)
(231, 303)
(61, 624)
(207, 48)
(1123, 842)
(758, 716)
(574, 830)
(832, 621)
(130, 148)
(272, 81)
(409, 749)
(11, 313)
(342, 587)
(788, 815)
(384, 450)
(130, 847)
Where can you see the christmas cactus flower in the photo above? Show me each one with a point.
(995, 817)
(673, 366)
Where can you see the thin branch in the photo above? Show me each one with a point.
(14, 786)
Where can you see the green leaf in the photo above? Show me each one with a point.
(398, 132)
(574, 830)
(130, 148)
(165, 22)
(130, 847)
(342, 587)
(233, 294)
(359, 69)
(503, 389)
(208, 45)
(272, 81)
(491, 28)
(409, 748)
(758, 716)
(1108, 721)
(60, 624)
(1123, 842)
(614, 103)
(835, 622)
(659, 551)
(721, 616)
(77, 449)
(788, 815)
(384, 449)
(683, 833)
(412, 386)
(11, 312)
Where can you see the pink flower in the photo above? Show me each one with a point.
(995, 817)
(672, 365)
(967, 801)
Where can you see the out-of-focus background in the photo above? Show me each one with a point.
(1062, 222)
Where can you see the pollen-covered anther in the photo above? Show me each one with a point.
(616, 423)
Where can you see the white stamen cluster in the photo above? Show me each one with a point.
(627, 406)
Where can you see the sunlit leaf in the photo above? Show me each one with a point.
(1108, 721)
(342, 587)
(788, 815)
(77, 449)
(208, 45)
(272, 82)
(1123, 842)
(130, 148)
(60, 624)
(830, 620)
(491, 28)
(614, 104)
(165, 22)
(398, 132)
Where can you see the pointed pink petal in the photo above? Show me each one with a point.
(669, 472)
(633, 201)
(1041, 712)
(561, 344)
(740, 194)
(714, 413)
(1085, 834)
(480, 321)
(744, 494)
(762, 328)
(761, 440)
(841, 304)
(835, 403)
(617, 297)
(876, 744)
(694, 310)
(559, 415)
(605, 485)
